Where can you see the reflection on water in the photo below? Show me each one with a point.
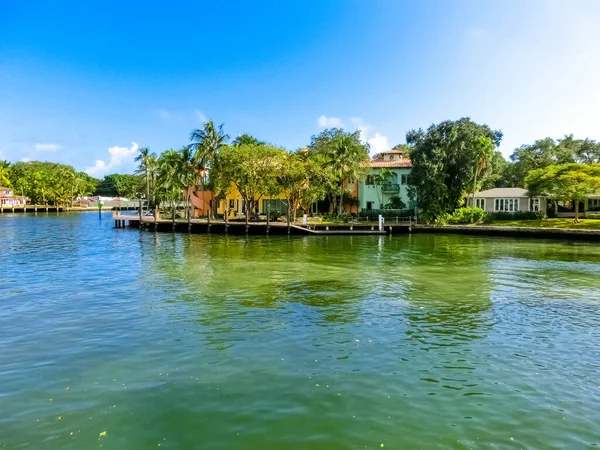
(208, 341)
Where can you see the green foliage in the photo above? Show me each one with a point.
(4, 175)
(546, 152)
(404, 148)
(463, 215)
(395, 203)
(253, 169)
(565, 182)
(499, 173)
(119, 185)
(343, 157)
(445, 158)
(246, 139)
(50, 183)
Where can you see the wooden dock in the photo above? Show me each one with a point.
(240, 227)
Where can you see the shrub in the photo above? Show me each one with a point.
(593, 216)
(463, 215)
(442, 219)
(395, 203)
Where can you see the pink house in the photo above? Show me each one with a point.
(8, 199)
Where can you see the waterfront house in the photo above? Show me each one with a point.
(233, 202)
(386, 183)
(7, 198)
(508, 200)
(518, 200)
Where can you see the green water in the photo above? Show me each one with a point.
(120, 339)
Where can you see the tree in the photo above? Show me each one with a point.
(41, 181)
(145, 160)
(119, 185)
(4, 176)
(498, 173)
(295, 181)
(188, 178)
(252, 169)
(444, 158)
(344, 155)
(484, 153)
(169, 180)
(246, 139)
(566, 182)
(379, 180)
(206, 143)
(404, 148)
(542, 153)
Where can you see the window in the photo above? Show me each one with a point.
(506, 204)
(404, 179)
(534, 204)
(231, 204)
(369, 206)
(480, 203)
(369, 180)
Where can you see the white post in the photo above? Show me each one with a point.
(381, 221)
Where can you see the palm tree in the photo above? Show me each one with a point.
(188, 178)
(346, 157)
(169, 179)
(206, 143)
(484, 152)
(4, 180)
(144, 158)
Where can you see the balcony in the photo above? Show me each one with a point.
(390, 188)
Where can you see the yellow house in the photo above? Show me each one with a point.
(237, 208)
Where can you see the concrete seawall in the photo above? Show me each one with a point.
(526, 232)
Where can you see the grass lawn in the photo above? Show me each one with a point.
(589, 224)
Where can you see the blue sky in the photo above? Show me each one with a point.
(85, 83)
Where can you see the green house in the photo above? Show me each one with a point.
(386, 185)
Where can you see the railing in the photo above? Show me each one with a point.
(390, 187)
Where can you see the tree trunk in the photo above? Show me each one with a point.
(473, 197)
(576, 211)
(147, 190)
(190, 208)
(268, 213)
(248, 205)
(173, 216)
(289, 224)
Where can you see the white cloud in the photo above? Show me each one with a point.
(180, 117)
(200, 117)
(163, 114)
(26, 159)
(368, 134)
(379, 143)
(329, 122)
(119, 156)
(47, 147)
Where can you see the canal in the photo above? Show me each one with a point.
(120, 339)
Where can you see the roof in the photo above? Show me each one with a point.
(5, 188)
(391, 151)
(503, 192)
(403, 162)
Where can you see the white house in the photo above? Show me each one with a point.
(508, 200)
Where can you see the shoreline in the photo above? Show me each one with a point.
(508, 231)
(220, 227)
